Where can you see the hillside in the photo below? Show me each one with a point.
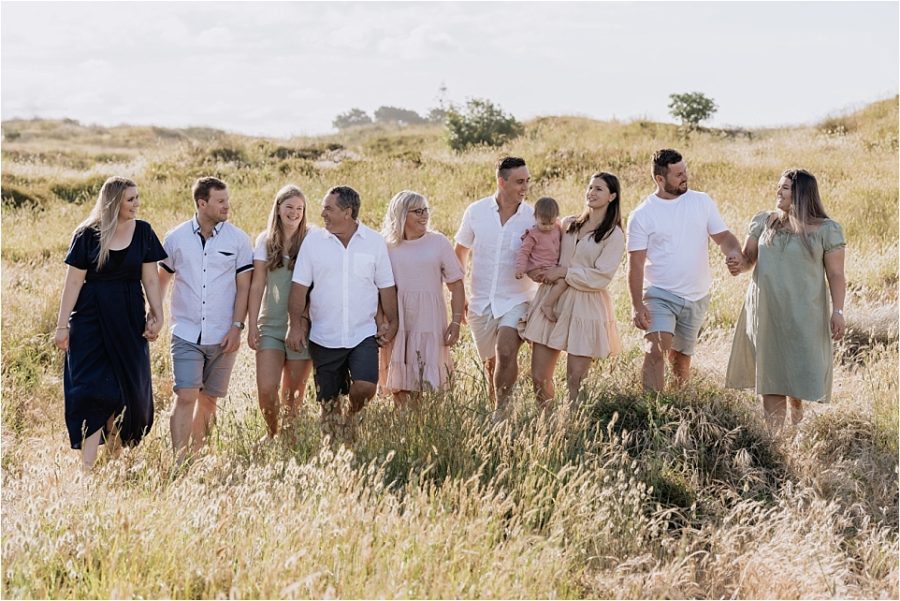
(682, 495)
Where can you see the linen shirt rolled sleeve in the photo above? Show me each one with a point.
(465, 235)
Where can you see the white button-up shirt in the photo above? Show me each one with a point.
(205, 288)
(345, 283)
(494, 246)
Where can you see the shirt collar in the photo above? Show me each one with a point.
(195, 226)
(497, 204)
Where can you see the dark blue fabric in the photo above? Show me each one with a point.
(107, 367)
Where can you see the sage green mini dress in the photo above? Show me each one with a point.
(273, 313)
(782, 341)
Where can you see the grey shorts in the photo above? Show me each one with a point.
(202, 366)
(677, 316)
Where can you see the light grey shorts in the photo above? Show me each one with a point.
(202, 366)
(486, 327)
(677, 316)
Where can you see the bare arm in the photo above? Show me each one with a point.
(232, 340)
(150, 281)
(640, 315)
(388, 297)
(164, 278)
(71, 290)
(747, 259)
(728, 244)
(837, 285)
(462, 254)
(457, 302)
(254, 302)
(298, 323)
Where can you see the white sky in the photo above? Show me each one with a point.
(287, 68)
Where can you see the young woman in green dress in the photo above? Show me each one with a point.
(794, 305)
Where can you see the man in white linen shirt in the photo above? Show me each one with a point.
(667, 233)
(345, 269)
(492, 229)
(212, 263)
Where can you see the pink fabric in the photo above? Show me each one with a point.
(539, 249)
(417, 359)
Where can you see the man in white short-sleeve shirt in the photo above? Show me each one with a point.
(345, 269)
(211, 262)
(492, 229)
(668, 274)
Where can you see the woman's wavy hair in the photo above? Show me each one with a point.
(613, 217)
(105, 215)
(398, 209)
(276, 246)
(806, 209)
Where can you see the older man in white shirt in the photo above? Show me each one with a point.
(211, 262)
(345, 269)
(492, 229)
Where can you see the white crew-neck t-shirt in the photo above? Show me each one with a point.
(674, 233)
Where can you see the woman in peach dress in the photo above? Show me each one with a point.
(418, 358)
(593, 245)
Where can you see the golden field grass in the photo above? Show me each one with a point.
(628, 496)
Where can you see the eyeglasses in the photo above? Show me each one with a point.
(420, 212)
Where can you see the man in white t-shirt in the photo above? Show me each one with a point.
(492, 229)
(668, 274)
(346, 270)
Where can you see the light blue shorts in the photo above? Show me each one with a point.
(677, 316)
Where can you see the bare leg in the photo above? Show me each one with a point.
(181, 419)
(90, 446)
(508, 343)
(269, 365)
(401, 399)
(543, 362)
(490, 366)
(796, 410)
(681, 367)
(654, 369)
(775, 407)
(577, 368)
(360, 393)
(293, 387)
(204, 418)
(548, 307)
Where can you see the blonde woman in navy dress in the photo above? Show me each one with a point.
(103, 326)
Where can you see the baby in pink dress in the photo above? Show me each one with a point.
(540, 248)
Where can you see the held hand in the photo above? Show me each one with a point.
(837, 326)
(451, 334)
(232, 340)
(253, 337)
(297, 337)
(537, 275)
(61, 339)
(152, 327)
(641, 317)
(386, 332)
(735, 263)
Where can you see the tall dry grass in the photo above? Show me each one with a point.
(624, 496)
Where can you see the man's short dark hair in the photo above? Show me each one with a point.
(662, 159)
(203, 185)
(505, 164)
(347, 198)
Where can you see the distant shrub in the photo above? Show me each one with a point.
(482, 123)
(691, 108)
(78, 191)
(14, 198)
(400, 116)
(352, 118)
(227, 154)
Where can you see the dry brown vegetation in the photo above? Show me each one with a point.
(629, 496)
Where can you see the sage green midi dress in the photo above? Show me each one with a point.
(782, 341)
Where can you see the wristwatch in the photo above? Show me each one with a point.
(237, 324)
(839, 312)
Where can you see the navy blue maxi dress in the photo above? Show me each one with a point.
(107, 367)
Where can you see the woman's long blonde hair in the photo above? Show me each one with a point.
(275, 242)
(105, 215)
(395, 218)
(806, 208)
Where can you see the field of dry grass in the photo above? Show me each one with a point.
(629, 496)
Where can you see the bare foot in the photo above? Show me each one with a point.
(549, 312)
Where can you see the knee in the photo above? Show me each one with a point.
(185, 397)
(506, 355)
(268, 391)
(363, 390)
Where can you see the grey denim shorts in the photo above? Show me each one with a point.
(677, 316)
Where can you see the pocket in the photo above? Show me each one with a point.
(364, 266)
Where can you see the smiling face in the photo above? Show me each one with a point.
(784, 196)
(597, 195)
(675, 182)
(130, 203)
(515, 186)
(291, 211)
(336, 219)
(416, 223)
(216, 207)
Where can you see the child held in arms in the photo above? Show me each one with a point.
(540, 248)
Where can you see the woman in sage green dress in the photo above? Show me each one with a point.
(782, 342)
(273, 264)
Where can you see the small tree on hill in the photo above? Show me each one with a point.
(351, 118)
(393, 114)
(691, 108)
(481, 123)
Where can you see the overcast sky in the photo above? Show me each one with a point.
(287, 68)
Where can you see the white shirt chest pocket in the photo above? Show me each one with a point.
(364, 266)
(222, 259)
